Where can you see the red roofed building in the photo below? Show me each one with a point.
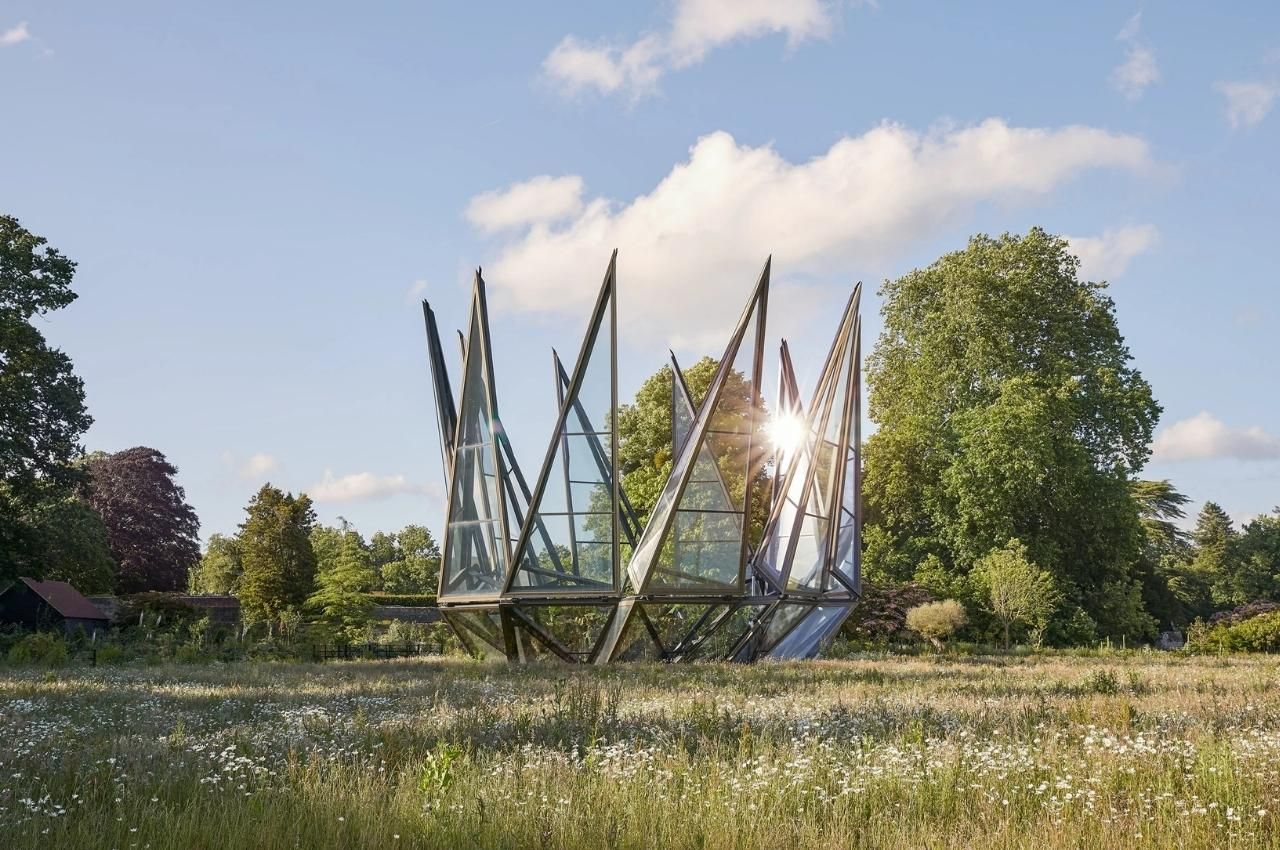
(49, 605)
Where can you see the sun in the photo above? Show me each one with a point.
(787, 432)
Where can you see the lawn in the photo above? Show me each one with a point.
(1134, 750)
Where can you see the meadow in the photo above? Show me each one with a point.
(1125, 750)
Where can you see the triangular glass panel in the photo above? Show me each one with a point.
(720, 635)
(479, 631)
(569, 543)
(475, 546)
(677, 624)
(846, 573)
(576, 628)
(813, 632)
(694, 540)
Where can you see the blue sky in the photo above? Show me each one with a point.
(258, 194)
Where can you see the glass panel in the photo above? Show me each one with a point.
(786, 616)
(636, 643)
(576, 627)
(480, 631)
(848, 540)
(722, 633)
(571, 544)
(675, 623)
(807, 639)
(662, 558)
(475, 554)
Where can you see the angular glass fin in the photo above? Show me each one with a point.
(800, 537)
(569, 540)
(846, 574)
(446, 410)
(694, 541)
(475, 538)
(813, 632)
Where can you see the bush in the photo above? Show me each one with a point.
(409, 600)
(936, 621)
(109, 653)
(1243, 612)
(39, 648)
(881, 614)
(1256, 634)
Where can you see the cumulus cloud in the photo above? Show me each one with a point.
(541, 200)
(1139, 69)
(1248, 101)
(258, 466)
(1204, 437)
(1107, 257)
(15, 35)
(696, 28)
(699, 236)
(360, 487)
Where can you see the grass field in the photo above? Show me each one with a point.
(1090, 752)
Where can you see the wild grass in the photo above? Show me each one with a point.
(1092, 752)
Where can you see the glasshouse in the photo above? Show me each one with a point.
(563, 566)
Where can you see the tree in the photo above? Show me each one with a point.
(1007, 408)
(936, 621)
(644, 440)
(74, 546)
(1018, 591)
(1216, 561)
(1166, 590)
(151, 529)
(1259, 553)
(416, 568)
(342, 596)
(42, 410)
(220, 569)
(275, 551)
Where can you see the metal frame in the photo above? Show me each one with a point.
(755, 616)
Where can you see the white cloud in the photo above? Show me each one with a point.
(415, 291)
(15, 35)
(698, 238)
(1248, 102)
(1204, 437)
(1139, 69)
(541, 200)
(360, 487)
(696, 28)
(258, 466)
(1107, 257)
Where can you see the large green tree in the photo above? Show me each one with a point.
(1007, 408)
(151, 529)
(74, 546)
(279, 565)
(414, 560)
(343, 583)
(220, 568)
(42, 410)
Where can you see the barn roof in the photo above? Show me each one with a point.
(65, 599)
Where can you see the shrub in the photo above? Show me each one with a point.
(936, 621)
(1243, 612)
(409, 600)
(39, 648)
(1256, 634)
(109, 653)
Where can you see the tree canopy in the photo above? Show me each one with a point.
(42, 409)
(1007, 408)
(279, 565)
(151, 530)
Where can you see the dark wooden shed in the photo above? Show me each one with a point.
(49, 605)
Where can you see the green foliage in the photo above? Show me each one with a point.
(74, 542)
(279, 564)
(936, 621)
(1018, 591)
(408, 562)
(1256, 634)
(1007, 408)
(220, 568)
(42, 410)
(411, 600)
(342, 597)
(43, 648)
